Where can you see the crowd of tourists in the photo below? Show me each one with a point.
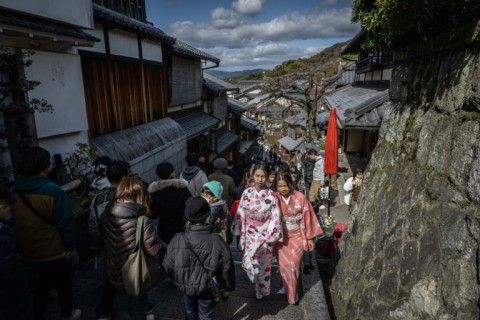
(187, 226)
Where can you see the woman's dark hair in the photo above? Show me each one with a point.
(164, 170)
(192, 159)
(116, 170)
(285, 176)
(31, 161)
(261, 166)
(100, 165)
(357, 171)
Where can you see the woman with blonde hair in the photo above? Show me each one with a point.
(119, 223)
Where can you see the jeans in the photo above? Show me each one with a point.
(57, 274)
(197, 308)
(108, 296)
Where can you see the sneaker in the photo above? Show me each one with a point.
(104, 317)
(281, 291)
(322, 207)
(150, 317)
(76, 314)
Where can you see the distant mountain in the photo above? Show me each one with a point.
(232, 74)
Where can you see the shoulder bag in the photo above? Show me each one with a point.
(212, 280)
(141, 272)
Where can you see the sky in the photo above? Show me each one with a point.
(255, 34)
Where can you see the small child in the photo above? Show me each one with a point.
(193, 253)
(15, 301)
(219, 218)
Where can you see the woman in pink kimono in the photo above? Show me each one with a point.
(300, 226)
(259, 225)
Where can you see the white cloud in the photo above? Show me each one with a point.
(262, 56)
(332, 23)
(223, 18)
(248, 7)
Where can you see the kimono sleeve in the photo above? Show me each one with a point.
(310, 223)
(274, 229)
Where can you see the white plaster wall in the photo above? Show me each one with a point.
(61, 86)
(152, 50)
(387, 74)
(63, 144)
(123, 44)
(377, 75)
(77, 12)
(97, 33)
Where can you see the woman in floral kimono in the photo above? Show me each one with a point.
(259, 225)
(300, 226)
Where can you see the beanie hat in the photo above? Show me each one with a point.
(197, 209)
(215, 187)
(220, 164)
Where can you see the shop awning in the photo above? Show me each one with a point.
(291, 144)
(225, 139)
(197, 123)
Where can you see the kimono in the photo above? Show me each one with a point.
(258, 223)
(299, 224)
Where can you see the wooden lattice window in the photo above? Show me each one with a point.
(122, 94)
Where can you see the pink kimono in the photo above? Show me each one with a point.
(299, 224)
(259, 225)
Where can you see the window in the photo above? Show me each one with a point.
(122, 94)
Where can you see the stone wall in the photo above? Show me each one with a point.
(411, 250)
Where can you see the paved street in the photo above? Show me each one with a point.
(242, 304)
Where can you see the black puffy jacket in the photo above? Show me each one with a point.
(186, 271)
(119, 224)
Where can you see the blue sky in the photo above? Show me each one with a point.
(250, 34)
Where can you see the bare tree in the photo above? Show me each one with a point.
(303, 88)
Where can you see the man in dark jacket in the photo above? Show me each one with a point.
(168, 201)
(193, 254)
(195, 176)
(45, 230)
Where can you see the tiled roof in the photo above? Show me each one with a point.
(353, 46)
(217, 85)
(244, 84)
(298, 119)
(21, 21)
(125, 21)
(197, 123)
(353, 102)
(244, 146)
(290, 144)
(184, 48)
(225, 139)
(236, 106)
(322, 118)
(250, 124)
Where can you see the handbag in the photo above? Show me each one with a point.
(141, 272)
(212, 280)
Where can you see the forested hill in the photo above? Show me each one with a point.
(328, 57)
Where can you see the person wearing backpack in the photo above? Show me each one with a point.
(115, 172)
(195, 176)
(45, 230)
(193, 258)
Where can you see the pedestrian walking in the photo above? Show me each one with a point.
(220, 175)
(119, 224)
(168, 201)
(195, 176)
(258, 223)
(300, 227)
(45, 231)
(195, 257)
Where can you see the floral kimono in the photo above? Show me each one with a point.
(259, 225)
(299, 224)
